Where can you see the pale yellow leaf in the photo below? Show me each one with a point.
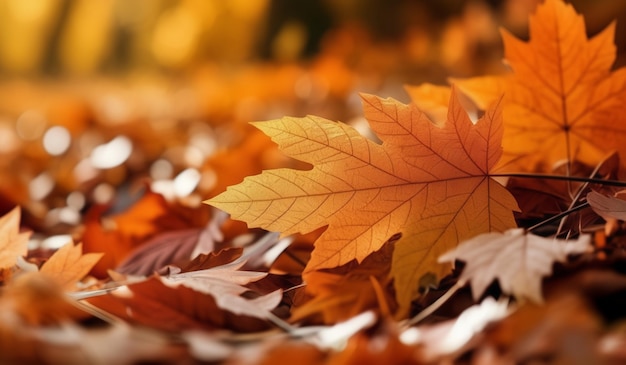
(67, 266)
(13, 244)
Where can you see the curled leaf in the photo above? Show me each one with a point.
(607, 207)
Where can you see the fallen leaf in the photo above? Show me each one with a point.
(178, 308)
(154, 304)
(607, 207)
(293, 260)
(562, 101)
(168, 248)
(213, 259)
(452, 337)
(194, 299)
(33, 299)
(431, 99)
(360, 350)
(206, 346)
(120, 234)
(67, 266)
(564, 330)
(338, 294)
(541, 199)
(517, 260)
(430, 182)
(250, 156)
(13, 244)
(225, 283)
(288, 352)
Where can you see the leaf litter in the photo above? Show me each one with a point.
(350, 271)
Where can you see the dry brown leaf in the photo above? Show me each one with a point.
(152, 303)
(118, 235)
(207, 298)
(168, 248)
(213, 259)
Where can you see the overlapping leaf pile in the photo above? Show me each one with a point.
(430, 183)
(343, 260)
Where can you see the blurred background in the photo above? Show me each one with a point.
(98, 97)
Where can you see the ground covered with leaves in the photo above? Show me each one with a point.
(481, 222)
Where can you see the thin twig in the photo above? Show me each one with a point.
(576, 197)
(97, 312)
(558, 216)
(302, 285)
(563, 178)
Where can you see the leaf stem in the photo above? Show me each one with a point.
(436, 304)
(283, 325)
(558, 216)
(97, 312)
(563, 178)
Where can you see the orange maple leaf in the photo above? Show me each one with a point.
(68, 265)
(562, 102)
(430, 182)
(13, 244)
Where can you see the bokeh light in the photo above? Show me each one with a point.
(30, 125)
(111, 154)
(57, 140)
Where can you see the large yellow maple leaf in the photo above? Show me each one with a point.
(430, 182)
(562, 102)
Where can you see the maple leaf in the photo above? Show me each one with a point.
(430, 182)
(13, 244)
(67, 266)
(517, 260)
(562, 102)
